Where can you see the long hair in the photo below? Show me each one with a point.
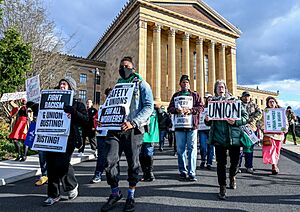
(268, 99)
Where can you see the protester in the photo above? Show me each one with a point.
(19, 131)
(254, 114)
(89, 130)
(186, 136)
(225, 135)
(129, 139)
(100, 145)
(206, 150)
(59, 168)
(147, 150)
(272, 141)
(292, 118)
(164, 122)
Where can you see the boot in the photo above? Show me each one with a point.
(144, 168)
(222, 193)
(151, 175)
(232, 184)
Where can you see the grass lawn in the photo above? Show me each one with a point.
(290, 138)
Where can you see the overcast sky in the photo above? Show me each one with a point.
(267, 52)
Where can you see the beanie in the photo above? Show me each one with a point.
(184, 77)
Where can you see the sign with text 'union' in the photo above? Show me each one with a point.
(224, 110)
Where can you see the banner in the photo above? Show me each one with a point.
(33, 89)
(247, 129)
(224, 110)
(274, 120)
(183, 121)
(50, 143)
(116, 107)
(202, 125)
(12, 96)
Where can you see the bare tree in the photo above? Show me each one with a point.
(30, 18)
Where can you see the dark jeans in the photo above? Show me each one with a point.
(92, 139)
(162, 136)
(292, 129)
(116, 143)
(172, 139)
(221, 157)
(100, 160)
(60, 170)
(43, 162)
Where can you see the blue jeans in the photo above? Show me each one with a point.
(43, 162)
(162, 136)
(248, 159)
(100, 160)
(147, 150)
(206, 150)
(187, 139)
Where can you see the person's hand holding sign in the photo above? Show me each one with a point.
(127, 126)
(230, 121)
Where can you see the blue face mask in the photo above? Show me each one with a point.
(125, 73)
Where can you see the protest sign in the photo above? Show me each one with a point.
(51, 117)
(116, 107)
(274, 120)
(12, 96)
(202, 125)
(50, 143)
(33, 89)
(247, 129)
(224, 110)
(181, 120)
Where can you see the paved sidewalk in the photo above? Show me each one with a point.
(12, 171)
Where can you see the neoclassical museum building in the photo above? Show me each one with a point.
(168, 38)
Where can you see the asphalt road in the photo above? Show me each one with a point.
(260, 192)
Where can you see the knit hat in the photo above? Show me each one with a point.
(71, 82)
(245, 93)
(184, 77)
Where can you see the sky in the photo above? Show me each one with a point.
(268, 53)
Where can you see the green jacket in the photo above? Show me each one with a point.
(223, 134)
(153, 135)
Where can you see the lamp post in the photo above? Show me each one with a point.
(96, 73)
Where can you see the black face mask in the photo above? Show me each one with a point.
(125, 73)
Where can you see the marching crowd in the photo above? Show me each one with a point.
(146, 124)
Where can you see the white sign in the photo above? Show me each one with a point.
(181, 120)
(202, 125)
(116, 107)
(247, 129)
(274, 120)
(33, 89)
(224, 110)
(12, 96)
(50, 143)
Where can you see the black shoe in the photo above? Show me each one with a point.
(129, 205)
(111, 202)
(18, 158)
(222, 193)
(183, 177)
(202, 165)
(23, 159)
(161, 149)
(208, 167)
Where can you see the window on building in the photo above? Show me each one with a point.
(82, 95)
(98, 80)
(206, 68)
(83, 78)
(255, 101)
(261, 101)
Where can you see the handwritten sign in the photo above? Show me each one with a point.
(247, 129)
(202, 125)
(274, 120)
(224, 110)
(181, 120)
(12, 96)
(33, 89)
(116, 107)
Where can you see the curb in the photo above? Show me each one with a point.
(290, 152)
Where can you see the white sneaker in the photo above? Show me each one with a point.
(73, 193)
(50, 201)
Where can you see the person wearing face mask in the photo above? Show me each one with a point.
(226, 135)
(186, 134)
(129, 138)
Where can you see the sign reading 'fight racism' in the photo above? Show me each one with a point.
(224, 110)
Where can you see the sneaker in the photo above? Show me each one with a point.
(239, 171)
(129, 205)
(222, 193)
(183, 176)
(202, 165)
(232, 184)
(192, 178)
(96, 179)
(208, 167)
(111, 202)
(41, 181)
(73, 193)
(250, 170)
(50, 201)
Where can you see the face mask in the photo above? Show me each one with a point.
(125, 73)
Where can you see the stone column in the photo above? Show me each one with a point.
(142, 61)
(186, 54)
(211, 67)
(157, 61)
(200, 67)
(231, 70)
(171, 63)
(222, 62)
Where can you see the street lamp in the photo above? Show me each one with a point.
(96, 73)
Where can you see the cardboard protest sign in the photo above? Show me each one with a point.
(116, 107)
(33, 89)
(202, 125)
(50, 143)
(181, 120)
(51, 117)
(274, 120)
(224, 110)
(247, 129)
(12, 96)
